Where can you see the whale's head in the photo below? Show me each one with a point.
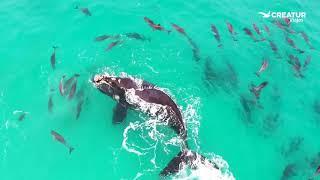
(108, 85)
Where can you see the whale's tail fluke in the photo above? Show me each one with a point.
(185, 158)
(174, 165)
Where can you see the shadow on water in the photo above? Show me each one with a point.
(291, 147)
(271, 123)
(224, 78)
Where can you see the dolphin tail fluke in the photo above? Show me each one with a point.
(300, 51)
(70, 150)
(54, 47)
(182, 159)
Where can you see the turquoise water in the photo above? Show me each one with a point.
(256, 145)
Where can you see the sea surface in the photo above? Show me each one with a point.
(275, 136)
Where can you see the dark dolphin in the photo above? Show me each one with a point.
(307, 62)
(118, 88)
(266, 28)
(274, 48)
(289, 171)
(179, 29)
(137, 36)
(216, 34)
(195, 49)
(53, 57)
(306, 39)
(256, 28)
(85, 10)
(250, 34)
(50, 104)
(79, 108)
(102, 37)
(113, 44)
(58, 137)
(247, 106)
(296, 64)
(22, 116)
(293, 45)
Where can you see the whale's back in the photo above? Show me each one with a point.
(159, 97)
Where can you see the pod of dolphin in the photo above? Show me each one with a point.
(119, 88)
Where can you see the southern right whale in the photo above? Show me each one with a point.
(145, 97)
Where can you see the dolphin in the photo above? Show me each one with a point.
(266, 28)
(58, 137)
(137, 36)
(256, 90)
(155, 26)
(135, 94)
(84, 10)
(113, 44)
(306, 39)
(263, 67)
(307, 62)
(216, 34)
(179, 29)
(293, 45)
(256, 28)
(231, 30)
(61, 86)
(53, 57)
(274, 48)
(50, 104)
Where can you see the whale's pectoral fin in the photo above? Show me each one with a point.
(119, 113)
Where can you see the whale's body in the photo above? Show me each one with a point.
(145, 97)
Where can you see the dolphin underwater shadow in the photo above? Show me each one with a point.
(131, 94)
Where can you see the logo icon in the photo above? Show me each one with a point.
(265, 15)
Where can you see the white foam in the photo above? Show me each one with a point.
(125, 138)
(205, 171)
(191, 118)
(137, 176)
